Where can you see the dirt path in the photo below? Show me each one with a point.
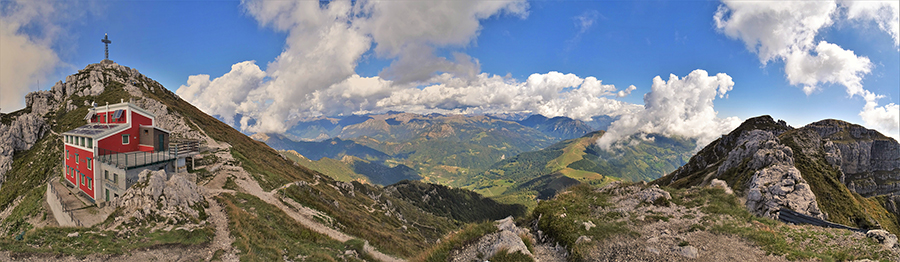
(245, 182)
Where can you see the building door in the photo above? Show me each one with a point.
(162, 139)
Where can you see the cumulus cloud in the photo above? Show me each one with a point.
(883, 118)
(830, 64)
(231, 90)
(677, 107)
(26, 56)
(410, 31)
(884, 13)
(551, 94)
(315, 74)
(786, 31)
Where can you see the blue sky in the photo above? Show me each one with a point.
(621, 43)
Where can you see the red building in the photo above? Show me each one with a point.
(103, 158)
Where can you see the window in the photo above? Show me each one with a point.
(116, 178)
(76, 158)
(67, 154)
(90, 143)
(125, 139)
(89, 163)
(90, 183)
(106, 174)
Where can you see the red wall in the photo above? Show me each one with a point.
(100, 117)
(114, 142)
(81, 166)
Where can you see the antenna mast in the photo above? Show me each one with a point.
(106, 42)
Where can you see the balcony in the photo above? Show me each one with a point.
(136, 159)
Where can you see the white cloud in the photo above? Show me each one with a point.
(787, 30)
(315, 74)
(774, 29)
(830, 64)
(230, 91)
(411, 30)
(886, 118)
(885, 13)
(25, 57)
(551, 94)
(680, 107)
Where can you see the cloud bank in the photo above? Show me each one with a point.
(27, 54)
(786, 31)
(315, 74)
(677, 107)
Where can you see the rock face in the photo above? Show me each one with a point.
(19, 135)
(155, 196)
(507, 237)
(777, 183)
(869, 161)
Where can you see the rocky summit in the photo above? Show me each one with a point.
(774, 166)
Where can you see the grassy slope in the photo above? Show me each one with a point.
(841, 205)
(721, 214)
(262, 232)
(377, 221)
(269, 168)
(331, 167)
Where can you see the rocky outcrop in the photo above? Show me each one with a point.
(776, 183)
(159, 198)
(868, 160)
(781, 186)
(19, 135)
(886, 239)
(506, 238)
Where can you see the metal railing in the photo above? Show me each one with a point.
(133, 159)
(62, 205)
(185, 147)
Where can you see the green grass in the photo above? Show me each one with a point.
(263, 232)
(562, 218)
(726, 215)
(468, 235)
(54, 240)
(31, 169)
(505, 256)
(30, 206)
(351, 215)
(841, 205)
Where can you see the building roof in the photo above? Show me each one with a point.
(96, 130)
(157, 128)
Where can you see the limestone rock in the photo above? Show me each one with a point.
(20, 135)
(156, 195)
(780, 186)
(487, 246)
(653, 193)
(883, 237)
(686, 251)
(583, 239)
(715, 183)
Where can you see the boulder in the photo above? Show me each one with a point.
(715, 183)
(883, 237)
(652, 193)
